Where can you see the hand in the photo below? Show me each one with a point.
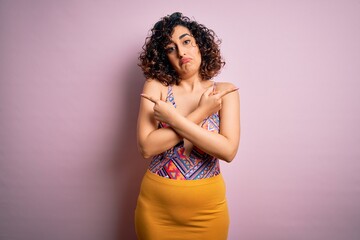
(163, 111)
(211, 102)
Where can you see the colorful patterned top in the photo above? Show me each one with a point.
(174, 164)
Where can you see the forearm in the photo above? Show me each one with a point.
(214, 144)
(163, 139)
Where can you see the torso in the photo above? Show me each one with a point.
(185, 161)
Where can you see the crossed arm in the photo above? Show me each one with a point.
(152, 141)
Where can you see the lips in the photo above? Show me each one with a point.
(185, 60)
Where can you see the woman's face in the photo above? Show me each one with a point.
(183, 52)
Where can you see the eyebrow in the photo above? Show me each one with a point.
(183, 35)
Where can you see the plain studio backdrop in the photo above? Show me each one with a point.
(69, 96)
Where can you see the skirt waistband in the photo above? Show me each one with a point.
(183, 183)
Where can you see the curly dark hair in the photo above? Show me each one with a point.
(154, 61)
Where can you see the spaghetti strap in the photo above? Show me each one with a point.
(214, 86)
(170, 96)
(169, 90)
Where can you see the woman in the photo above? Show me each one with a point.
(186, 123)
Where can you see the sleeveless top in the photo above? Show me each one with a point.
(174, 164)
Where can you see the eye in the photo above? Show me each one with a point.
(186, 42)
(169, 50)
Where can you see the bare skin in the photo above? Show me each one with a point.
(195, 101)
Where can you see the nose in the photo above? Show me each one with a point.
(181, 51)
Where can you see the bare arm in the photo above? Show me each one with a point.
(223, 145)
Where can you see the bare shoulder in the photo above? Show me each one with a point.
(152, 83)
(154, 88)
(224, 85)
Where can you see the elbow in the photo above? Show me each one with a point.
(229, 157)
(145, 155)
(144, 151)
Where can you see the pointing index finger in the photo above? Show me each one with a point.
(148, 97)
(227, 91)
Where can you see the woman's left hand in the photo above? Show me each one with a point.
(163, 111)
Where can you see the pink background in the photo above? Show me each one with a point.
(69, 95)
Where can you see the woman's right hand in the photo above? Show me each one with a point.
(163, 111)
(211, 102)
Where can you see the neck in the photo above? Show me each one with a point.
(191, 83)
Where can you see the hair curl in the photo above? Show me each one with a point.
(153, 58)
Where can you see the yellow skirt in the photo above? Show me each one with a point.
(181, 209)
